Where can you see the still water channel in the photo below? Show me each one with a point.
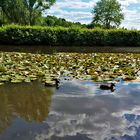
(78, 110)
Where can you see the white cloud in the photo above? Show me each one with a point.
(97, 117)
(80, 11)
(77, 4)
(76, 11)
(128, 2)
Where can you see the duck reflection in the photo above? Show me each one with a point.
(31, 104)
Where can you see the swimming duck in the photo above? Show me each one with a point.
(108, 87)
(54, 83)
(57, 82)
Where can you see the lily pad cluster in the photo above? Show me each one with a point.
(27, 67)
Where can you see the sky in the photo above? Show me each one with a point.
(80, 11)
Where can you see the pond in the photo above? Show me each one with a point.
(78, 110)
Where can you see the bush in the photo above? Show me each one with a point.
(60, 36)
(123, 38)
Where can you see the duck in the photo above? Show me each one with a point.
(54, 83)
(108, 87)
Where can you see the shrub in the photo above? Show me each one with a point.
(60, 36)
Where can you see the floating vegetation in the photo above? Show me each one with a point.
(27, 67)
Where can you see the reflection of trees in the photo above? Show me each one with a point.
(29, 101)
(5, 112)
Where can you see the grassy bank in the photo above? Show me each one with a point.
(59, 36)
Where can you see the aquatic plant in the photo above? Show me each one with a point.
(27, 67)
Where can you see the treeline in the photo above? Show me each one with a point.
(60, 36)
(29, 12)
(54, 21)
(106, 14)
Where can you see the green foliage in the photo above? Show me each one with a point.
(35, 7)
(60, 36)
(3, 20)
(123, 37)
(107, 14)
(24, 12)
(14, 11)
(54, 21)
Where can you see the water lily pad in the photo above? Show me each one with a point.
(94, 78)
(2, 68)
(1, 83)
(97, 66)
(128, 78)
(4, 78)
(32, 78)
(16, 81)
(27, 80)
(50, 83)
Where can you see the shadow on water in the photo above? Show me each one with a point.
(70, 49)
(78, 110)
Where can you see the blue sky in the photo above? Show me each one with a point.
(80, 11)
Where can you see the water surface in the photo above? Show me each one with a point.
(78, 110)
(81, 49)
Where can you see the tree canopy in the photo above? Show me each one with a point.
(23, 12)
(107, 14)
(55, 21)
(35, 7)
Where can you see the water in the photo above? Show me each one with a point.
(78, 110)
(81, 49)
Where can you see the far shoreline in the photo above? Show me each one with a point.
(68, 49)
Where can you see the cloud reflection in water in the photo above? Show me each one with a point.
(79, 110)
(103, 117)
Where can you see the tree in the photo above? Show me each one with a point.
(1, 17)
(55, 21)
(24, 12)
(36, 7)
(14, 11)
(107, 14)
